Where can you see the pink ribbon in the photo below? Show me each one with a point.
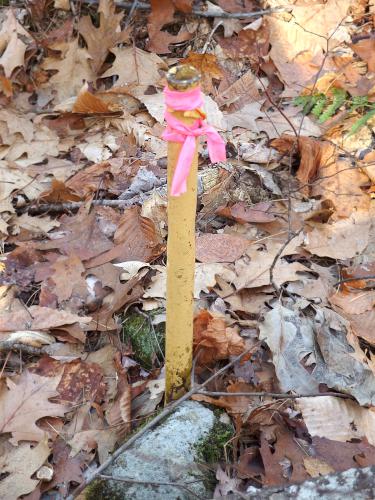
(177, 131)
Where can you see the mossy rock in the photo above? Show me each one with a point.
(211, 449)
(147, 340)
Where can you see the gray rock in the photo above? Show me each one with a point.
(165, 454)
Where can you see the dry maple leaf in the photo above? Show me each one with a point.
(134, 65)
(18, 464)
(73, 69)
(208, 67)
(162, 12)
(214, 340)
(26, 401)
(107, 35)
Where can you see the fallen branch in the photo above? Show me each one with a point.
(151, 483)
(72, 205)
(165, 413)
(276, 394)
(202, 13)
(10, 345)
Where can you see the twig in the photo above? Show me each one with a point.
(276, 394)
(165, 413)
(133, 8)
(203, 13)
(71, 205)
(277, 256)
(348, 280)
(151, 483)
(9, 345)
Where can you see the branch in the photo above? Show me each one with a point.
(276, 394)
(73, 205)
(202, 13)
(11, 345)
(165, 413)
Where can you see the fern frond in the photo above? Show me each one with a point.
(361, 122)
(359, 102)
(319, 105)
(339, 97)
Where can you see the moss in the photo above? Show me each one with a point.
(147, 340)
(102, 490)
(212, 448)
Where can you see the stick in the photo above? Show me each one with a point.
(180, 254)
(276, 394)
(203, 13)
(71, 205)
(150, 425)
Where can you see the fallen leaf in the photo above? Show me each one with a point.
(135, 239)
(205, 279)
(342, 239)
(100, 40)
(38, 318)
(315, 467)
(81, 382)
(59, 193)
(102, 440)
(242, 213)
(298, 42)
(220, 247)
(162, 12)
(214, 340)
(26, 401)
(73, 69)
(18, 464)
(337, 419)
(67, 277)
(134, 65)
(282, 459)
(314, 154)
(253, 268)
(243, 91)
(12, 43)
(207, 66)
(66, 469)
(80, 235)
(297, 344)
(365, 49)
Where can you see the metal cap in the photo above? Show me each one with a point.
(183, 77)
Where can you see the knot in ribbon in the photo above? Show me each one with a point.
(178, 131)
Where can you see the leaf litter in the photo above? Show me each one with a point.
(285, 236)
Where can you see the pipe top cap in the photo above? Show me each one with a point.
(183, 77)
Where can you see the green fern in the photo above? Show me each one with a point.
(359, 102)
(323, 107)
(319, 105)
(339, 97)
(361, 122)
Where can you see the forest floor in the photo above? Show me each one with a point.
(285, 234)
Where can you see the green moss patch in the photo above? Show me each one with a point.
(146, 339)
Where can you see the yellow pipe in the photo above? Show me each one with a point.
(180, 254)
